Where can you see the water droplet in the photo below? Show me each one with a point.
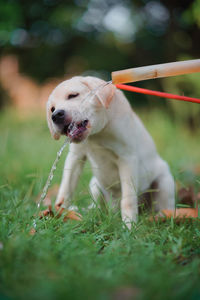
(34, 223)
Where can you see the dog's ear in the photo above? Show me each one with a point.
(54, 134)
(105, 93)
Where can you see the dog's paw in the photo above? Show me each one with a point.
(68, 214)
(46, 212)
(72, 215)
(73, 207)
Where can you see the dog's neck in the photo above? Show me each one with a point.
(113, 135)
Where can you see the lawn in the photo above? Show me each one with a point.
(97, 258)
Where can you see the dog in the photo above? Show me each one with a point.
(104, 129)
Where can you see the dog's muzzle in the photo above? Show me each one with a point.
(58, 117)
(76, 131)
(62, 120)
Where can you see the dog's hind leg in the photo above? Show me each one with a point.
(165, 197)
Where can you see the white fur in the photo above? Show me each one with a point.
(121, 152)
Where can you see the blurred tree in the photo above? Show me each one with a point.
(54, 38)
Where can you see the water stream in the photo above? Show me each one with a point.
(50, 178)
(51, 174)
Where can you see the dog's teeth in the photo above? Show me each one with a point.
(71, 126)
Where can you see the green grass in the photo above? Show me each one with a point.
(97, 258)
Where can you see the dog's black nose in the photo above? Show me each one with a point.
(58, 116)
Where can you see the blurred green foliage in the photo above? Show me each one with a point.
(104, 35)
(96, 258)
(55, 38)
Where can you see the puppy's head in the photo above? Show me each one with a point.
(77, 107)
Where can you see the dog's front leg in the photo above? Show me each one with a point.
(129, 201)
(73, 166)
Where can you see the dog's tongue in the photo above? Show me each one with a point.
(74, 130)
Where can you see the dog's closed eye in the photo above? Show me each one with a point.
(70, 96)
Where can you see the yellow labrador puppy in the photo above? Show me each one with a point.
(104, 129)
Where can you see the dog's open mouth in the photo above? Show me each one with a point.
(76, 131)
